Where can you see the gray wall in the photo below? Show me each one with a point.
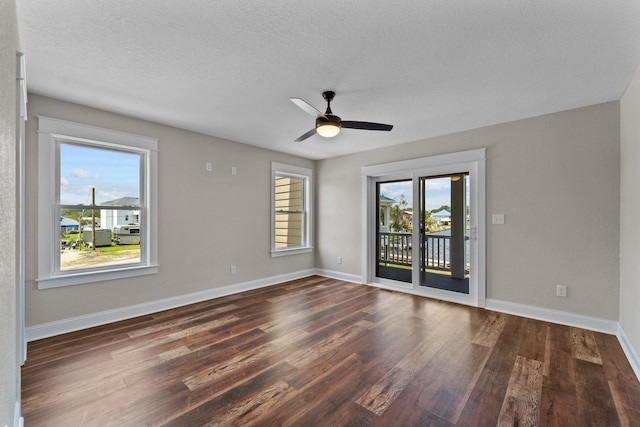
(9, 369)
(630, 211)
(556, 179)
(208, 221)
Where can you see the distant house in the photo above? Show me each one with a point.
(385, 212)
(68, 225)
(442, 217)
(110, 218)
(407, 218)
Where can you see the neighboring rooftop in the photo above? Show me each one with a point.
(123, 201)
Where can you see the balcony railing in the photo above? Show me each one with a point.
(395, 249)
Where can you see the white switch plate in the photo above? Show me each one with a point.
(234, 171)
(497, 219)
(208, 166)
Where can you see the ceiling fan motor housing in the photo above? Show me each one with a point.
(328, 119)
(328, 125)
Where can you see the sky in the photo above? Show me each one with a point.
(113, 174)
(438, 192)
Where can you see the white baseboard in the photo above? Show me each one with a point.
(629, 351)
(339, 276)
(64, 326)
(18, 419)
(554, 316)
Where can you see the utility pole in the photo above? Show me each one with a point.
(93, 219)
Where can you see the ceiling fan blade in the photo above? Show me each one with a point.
(307, 107)
(366, 125)
(306, 135)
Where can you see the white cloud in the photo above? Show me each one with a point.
(64, 181)
(80, 173)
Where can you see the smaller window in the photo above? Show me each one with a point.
(290, 209)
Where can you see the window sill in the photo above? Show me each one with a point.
(95, 276)
(293, 251)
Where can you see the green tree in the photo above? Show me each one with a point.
(427, 221)
(72, 214)
(397, 221)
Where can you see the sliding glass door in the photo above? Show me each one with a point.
(425, 226)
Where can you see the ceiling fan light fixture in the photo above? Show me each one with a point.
(328, 124)
(328, 129)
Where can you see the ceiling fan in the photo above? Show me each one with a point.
(328, 125)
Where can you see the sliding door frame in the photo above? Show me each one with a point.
(473, 162)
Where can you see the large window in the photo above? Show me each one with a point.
(291, 207)
(97, 204)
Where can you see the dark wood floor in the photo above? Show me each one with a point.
(322, 352)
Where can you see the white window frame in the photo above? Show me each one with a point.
(21, 115)
(51, 132)
(306, 174)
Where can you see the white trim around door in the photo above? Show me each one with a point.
(473, 162)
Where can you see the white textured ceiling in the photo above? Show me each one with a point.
(429, 67)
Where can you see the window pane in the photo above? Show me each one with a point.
(289, 228)
(120, 245)
(115, 175)
(289, 212)
(289, 194)
(111, 180)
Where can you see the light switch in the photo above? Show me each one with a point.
(208, 166)
(497, 219)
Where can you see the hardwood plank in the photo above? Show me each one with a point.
(559, 404)
(491, 330)
(458, 385)
(382, 394)
(595, 403)
(319, 400)
(522, 400)
(411, 406)
(240, 361)
(397, 342)
(175, 369)
(180, 321)
(625, 389)
(304, 356)
(533, 344)
(144, 346)
(487, 397)
(241, 405)
(584, 347)
(628, 413)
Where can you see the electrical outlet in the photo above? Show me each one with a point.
(339, 260)
(561, 290)
(233, 269)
